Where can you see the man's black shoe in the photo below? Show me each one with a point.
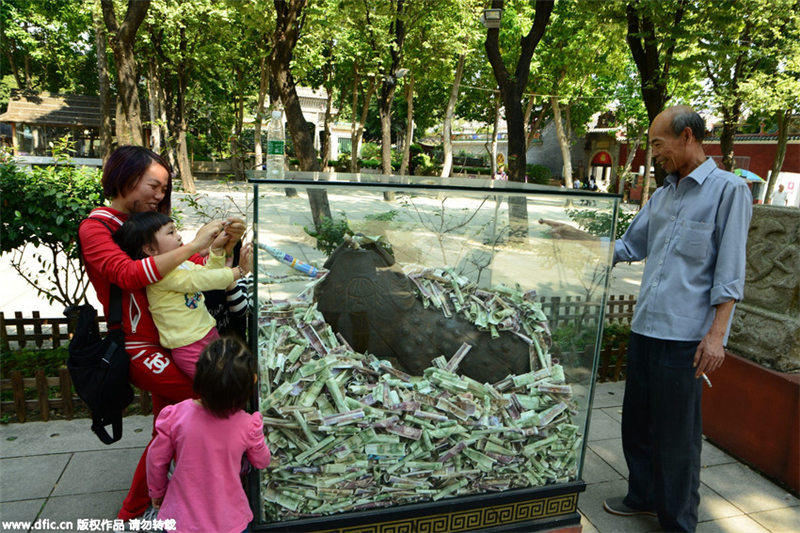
(617, 506)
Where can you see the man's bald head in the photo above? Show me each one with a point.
(680, 117)
(676, 137)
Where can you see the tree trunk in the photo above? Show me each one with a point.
(154, 94)
(648, 162)
(447, 164)
(287, 33)
(121, 127)
(359, 130)
(184, 166)
(528, 113)
(385, 109)
(512, 85)
(533, 127)
(653, 57)
(626, 170)
(240, 151)
(495, 127)
(353, 122)
(28, 80)
(106, 139)
(236, 145)
(730, 121)
(563, 143)
(171, 119)
(409, 126)
(262, 93)
(10, 56)
(325, 138)
(123, 38)
(780, 152)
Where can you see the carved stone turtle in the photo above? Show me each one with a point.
(371, 302)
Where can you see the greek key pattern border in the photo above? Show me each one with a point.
(481, 517)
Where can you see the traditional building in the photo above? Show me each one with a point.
(36, 120)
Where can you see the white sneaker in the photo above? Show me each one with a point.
(150, 514)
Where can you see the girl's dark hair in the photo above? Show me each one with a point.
(224, 376)
(125, 167)
(138, 231)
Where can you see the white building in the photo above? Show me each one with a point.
(313, 103)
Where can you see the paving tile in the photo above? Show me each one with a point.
(596, 470)
(608, 394)
(714, 507)
(74, 506)
(712, 456)
(610, 450)
(602, 426)
(28, 478)
(99, 471)
(60, 436)
(736, 524)
(23, 510)
(590, 504)
(587, 525)
(779, 520)
(614, 412)
(746, 489)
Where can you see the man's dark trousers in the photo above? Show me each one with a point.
(662, 430)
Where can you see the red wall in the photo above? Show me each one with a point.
(761, 155)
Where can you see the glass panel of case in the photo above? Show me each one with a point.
(409, 348)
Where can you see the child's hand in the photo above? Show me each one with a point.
(156, 502)
(234, 229)
(221, 242)
(246, 258)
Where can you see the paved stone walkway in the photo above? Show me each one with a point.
(60, 471)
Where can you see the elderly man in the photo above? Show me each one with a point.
(693, 232)
(779, 197)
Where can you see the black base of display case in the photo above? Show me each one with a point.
(534, 509)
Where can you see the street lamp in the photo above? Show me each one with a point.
(491, 18)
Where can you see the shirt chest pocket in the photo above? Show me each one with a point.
(695, 239)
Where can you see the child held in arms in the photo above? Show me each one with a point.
(207, 438)
(176, 302)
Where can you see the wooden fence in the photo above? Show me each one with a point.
(44, 399)
(575, 310)
(22, 332)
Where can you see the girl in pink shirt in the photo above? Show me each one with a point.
(207, 438)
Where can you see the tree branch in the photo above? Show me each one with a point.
(137, 10)
(109, 17)
(544, 9)
(492, 46)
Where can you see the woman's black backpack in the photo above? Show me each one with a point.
(99, 365)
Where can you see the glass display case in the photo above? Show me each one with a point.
(418, 367)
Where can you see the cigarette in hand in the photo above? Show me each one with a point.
(705, 378)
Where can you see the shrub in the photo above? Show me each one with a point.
(28, 361)
(397, 159)
(370, 163)
(43, 207)
(539, 174)
(388, 216)
(598, 222)
(371, 151)
(330, 234)
(421, 165)
(343, 163)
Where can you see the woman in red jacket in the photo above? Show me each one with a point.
(136, 179)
